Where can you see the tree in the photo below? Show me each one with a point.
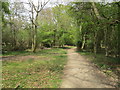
(97, 26)
(64, 25)
(5, 9)
(37, 9)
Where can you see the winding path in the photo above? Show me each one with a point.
(80, 73)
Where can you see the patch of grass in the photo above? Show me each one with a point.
(84, 53)
(13, 53)
(53, 51)
(67, 47)
(35, 73)
(42, 52)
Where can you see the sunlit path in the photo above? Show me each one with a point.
(79, 73)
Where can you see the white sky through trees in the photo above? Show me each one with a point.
(60, 1)
(53, 2)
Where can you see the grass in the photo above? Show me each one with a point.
(44, 72)
(102, 61)
(12, 53)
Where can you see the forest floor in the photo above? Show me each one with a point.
(81, 73)
(42, 69)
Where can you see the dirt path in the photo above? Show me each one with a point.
(80, 73)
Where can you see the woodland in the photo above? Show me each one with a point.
(88, 25)
(30, 27)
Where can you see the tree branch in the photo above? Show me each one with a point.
(96, 11)
(42, 6)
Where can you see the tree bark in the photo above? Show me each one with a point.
(54, 38)
(35, 40)
(106, 46)
(96, 11)
(83, 43)
(95, 43)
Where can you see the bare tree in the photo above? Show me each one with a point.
(35, 10)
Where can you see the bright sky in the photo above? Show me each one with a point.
(52, 2)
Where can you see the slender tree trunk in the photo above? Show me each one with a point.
(14, 34)
(83, 43)
(99, 18)
(106, 45)
(33, 31)
(95, 43)
(118, 45)
(30, 38)
(54, 38)
(34, 25)
(33, 43)
(35, 40)
(11, 27)
(79, 36)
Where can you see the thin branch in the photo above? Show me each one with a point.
(31, 19)
(38, 5)
(43, 6)
(34, 7)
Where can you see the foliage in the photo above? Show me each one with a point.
(97, 34)
(89, 25)
(5, 9)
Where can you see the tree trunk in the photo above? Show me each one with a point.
(54, 38)
(106, 46)
(79, 37)
(118, 45)
(95, 43)
(83, 43)
(14, 37)
(35, 33)
(96, 11)
(35, 40)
